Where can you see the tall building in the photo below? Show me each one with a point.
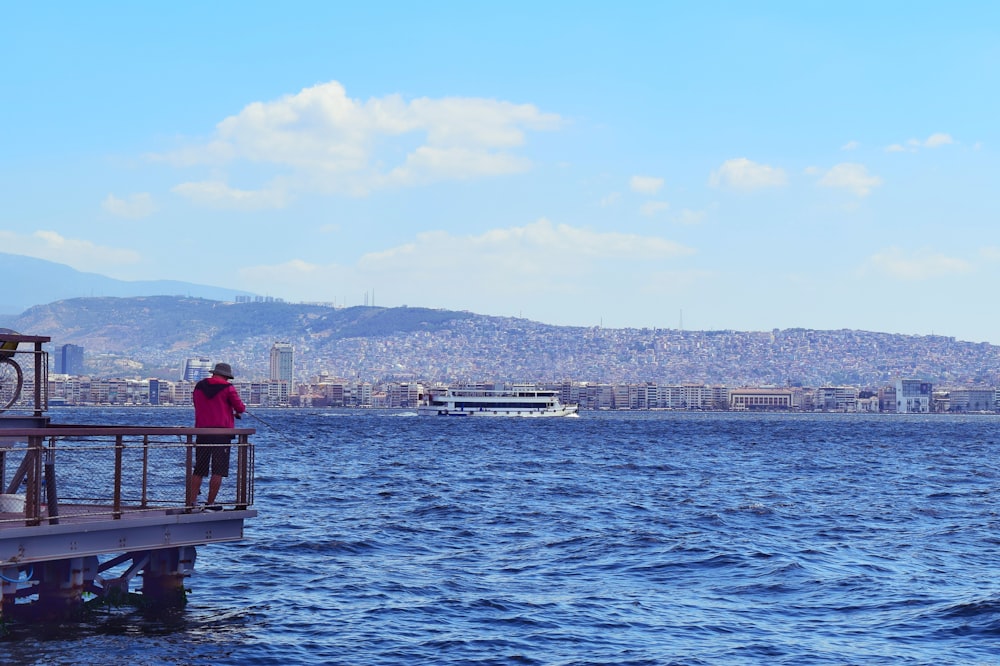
(70, 360)
(196, 369)
(281, 363)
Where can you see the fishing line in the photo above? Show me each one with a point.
(279, 433)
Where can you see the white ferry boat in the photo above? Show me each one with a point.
(530, 403)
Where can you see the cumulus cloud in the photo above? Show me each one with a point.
(651, 208)
(990, 253)
(610, 199)
(912, 145)
(691, 217)
(851, 145)
(921, 265)
(217, 194)
(742, 174)
(646, 184)
(134, 207)
(936, 140)
(82, 255)
(851, 176)
(321, 140)
(534, 260)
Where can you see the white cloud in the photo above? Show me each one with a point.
(535, 260)
(646, 184)
(610, 200)
(651, 208)
(912, 145)
(428, 164)
(851, 176)
(921, 265)
(940, 139)
(691, 217)
(216, 194)
(742, 174)
(851, 145)
(135, 207)
(990, 253)
(321, 140)
(82, 255)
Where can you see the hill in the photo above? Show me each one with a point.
(152, 336)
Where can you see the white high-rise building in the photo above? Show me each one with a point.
(281, 363)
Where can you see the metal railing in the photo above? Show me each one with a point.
(27, 364)
(66, 472)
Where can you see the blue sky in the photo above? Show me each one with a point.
(725, 165)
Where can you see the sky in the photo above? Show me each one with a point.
(696, 165)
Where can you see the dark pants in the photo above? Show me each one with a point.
(214, 458)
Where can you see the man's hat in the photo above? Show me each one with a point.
(223, 369)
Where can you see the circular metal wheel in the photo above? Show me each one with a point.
(11, 381)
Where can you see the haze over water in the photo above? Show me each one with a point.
(614, 538)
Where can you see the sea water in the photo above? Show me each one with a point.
(613, 538)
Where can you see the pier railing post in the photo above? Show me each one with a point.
(33, 494)
(189, 496)
(51, 490)
(242, 472)
(119, 455)
(144, 502)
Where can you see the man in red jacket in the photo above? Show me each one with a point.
(216, 405)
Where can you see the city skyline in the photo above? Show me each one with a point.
(705, 166)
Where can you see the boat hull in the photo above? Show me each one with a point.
(564, 411)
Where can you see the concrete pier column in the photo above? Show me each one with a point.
(8, 586)
(164, 574)
(60, 586)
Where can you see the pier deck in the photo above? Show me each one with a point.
(90, 507)
(81, 501)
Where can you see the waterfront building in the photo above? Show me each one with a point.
(913, 396)
(762, 400)
(972, 400)
(196, 369)
(867, 405)
(404, 395)
(887, 399)
(836, 399)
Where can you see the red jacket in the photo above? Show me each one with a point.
(215, 402)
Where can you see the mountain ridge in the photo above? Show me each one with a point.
(41, 281)
(153, 335)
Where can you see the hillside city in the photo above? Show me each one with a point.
(151, 351)
(66, 386)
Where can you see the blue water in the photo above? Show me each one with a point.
(614, 538)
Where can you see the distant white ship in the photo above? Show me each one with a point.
(459, 401)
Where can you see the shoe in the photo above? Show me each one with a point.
(213, 507)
